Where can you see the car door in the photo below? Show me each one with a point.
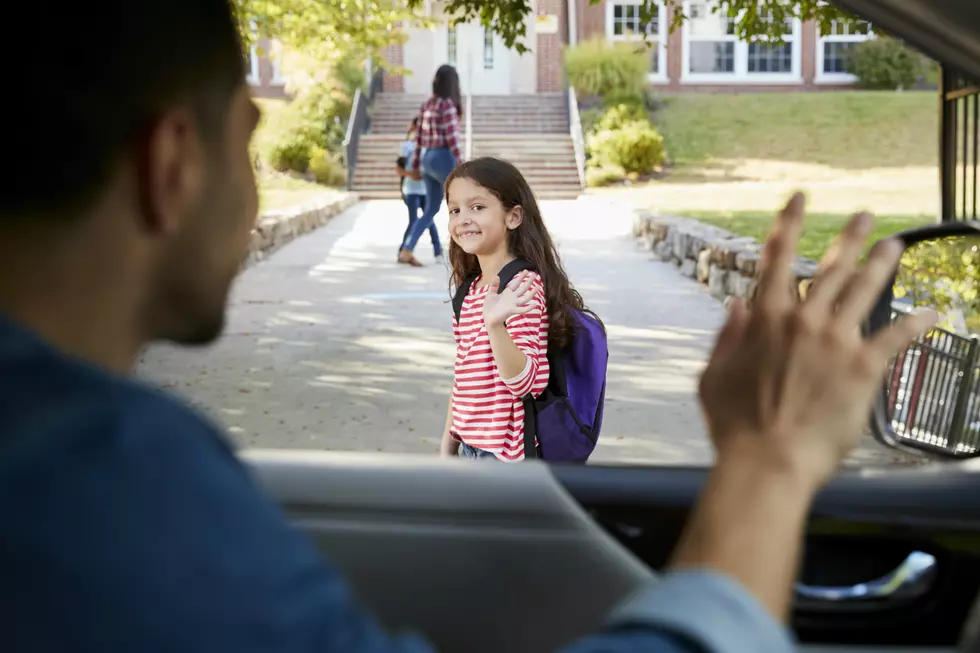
(527, 557)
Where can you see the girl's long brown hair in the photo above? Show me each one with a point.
(529, 241)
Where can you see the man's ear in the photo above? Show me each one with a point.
(515, 217)
(172, 170)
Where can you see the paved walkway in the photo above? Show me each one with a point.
(332, 345)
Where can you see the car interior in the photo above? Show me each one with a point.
(892, 556)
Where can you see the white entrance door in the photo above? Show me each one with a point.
(482, 59)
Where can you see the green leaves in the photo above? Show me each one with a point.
(325, 27)
(942, 274)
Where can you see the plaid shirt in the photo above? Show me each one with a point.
(438, 127)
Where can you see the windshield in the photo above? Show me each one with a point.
(656, 181)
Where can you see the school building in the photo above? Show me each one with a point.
(702, 54)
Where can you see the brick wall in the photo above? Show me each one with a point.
(591, 19)
(264, 87)
(395, 55)
(549, 49)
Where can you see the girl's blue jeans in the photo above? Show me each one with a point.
(437, 163)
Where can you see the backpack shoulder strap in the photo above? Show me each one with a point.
(461, 292)
(509, 271)
(507, 274)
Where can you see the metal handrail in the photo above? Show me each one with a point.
(575, 130)
(359, 122)
(352, 138)
(468, 152)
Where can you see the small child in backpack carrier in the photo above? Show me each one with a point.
(413, 190)
(516, 317)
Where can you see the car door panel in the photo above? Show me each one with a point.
(477, 557)
(549, 550)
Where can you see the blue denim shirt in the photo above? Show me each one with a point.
(127, 524)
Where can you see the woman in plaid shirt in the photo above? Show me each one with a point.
(437, 148)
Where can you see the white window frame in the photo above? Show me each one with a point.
(278, 79)
(253, 77)
(741, 74)
(452, 45)
(822, 77)
(659, 75)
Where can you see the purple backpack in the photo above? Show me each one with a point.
(566, 418)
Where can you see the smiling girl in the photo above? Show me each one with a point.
(502, 336)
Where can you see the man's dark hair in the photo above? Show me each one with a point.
(95, 77)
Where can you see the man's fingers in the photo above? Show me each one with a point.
(776, 266)
(864, 288)
(838, 265)
(889, 341)
(731, 333)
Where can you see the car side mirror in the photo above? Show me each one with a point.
(930, 400)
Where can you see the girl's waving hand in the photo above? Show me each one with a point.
(516, 299)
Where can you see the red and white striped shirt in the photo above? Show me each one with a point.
(438, 127)
(487, 409)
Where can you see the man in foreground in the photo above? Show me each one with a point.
(126, 522)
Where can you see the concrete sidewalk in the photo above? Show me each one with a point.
(332, 345)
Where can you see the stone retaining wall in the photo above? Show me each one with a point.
(276, 228)
(726, 263)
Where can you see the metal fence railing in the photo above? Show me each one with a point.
(933, 400)
(959, 142)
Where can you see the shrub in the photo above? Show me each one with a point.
(292, 134)
(604, 175)
(326, 168)
(616, 116)
(636, 147)
(885, 64)
(290, 153)
(596, 67)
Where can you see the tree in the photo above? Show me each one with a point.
(754, 19)
(370, 25)
(941, 274)
(328, 29)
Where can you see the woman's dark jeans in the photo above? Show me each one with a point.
(436, 165)
(416, 203)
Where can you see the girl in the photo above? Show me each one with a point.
(413, 189)
(438, 135)
(502, 339)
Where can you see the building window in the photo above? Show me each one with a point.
(772, 59)
(713, 53)
(451, 45)
(252, 66)
(834, 49)
(623, 23)
(711, 41)
(487, 49)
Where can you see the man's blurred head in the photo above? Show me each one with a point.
(134, 119)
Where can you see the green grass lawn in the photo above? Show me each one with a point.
(282, 191)
(843, 129)
(818, 233)
(737, 157)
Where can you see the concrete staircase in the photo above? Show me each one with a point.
(547, 161)
(530, 131)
